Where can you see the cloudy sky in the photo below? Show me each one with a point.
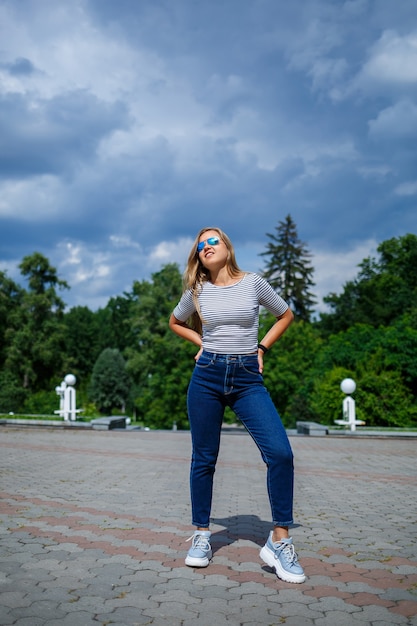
(126, 126)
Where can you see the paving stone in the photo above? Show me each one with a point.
(372, 614)
(44, 609)
(220, 593)
(175, 595)
(105, 543)
(28, 621)
(6, 616)
(290, 595)
(297, 621)
(12, 599)
(218, 581)
(171, 610)
(251, 588)
(390, 623)
(212, 619)
(399, 594)
(177, 584)
(75, 618)
(330, 604)
(253, 615)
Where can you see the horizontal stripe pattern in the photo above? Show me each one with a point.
(231, 314)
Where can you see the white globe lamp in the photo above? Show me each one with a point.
(348, 385)
(70, 379)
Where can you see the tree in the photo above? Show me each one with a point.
(385, 288)
(381, 397)
(35, 334)
(10, 301)
(12, 394)
(110, 382)
(82, 341)
(88, 333)
(381, 361)
(399, 345)
(288, 268)
(42, 277)
(159, 362)
(288, 368)
(115, 321)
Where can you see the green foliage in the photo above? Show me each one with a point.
(82, 341)
(12, 394)
(131, 358)
(42, 277)
(35, 331)
(385, 289)
(41, 403)
(162, 401)
(110, 382)
(89, 410)
(382, 363)
(288, 366)
(288, 268)
(347, 349)
(326, 396)
(382, 399)
(158, 361)
(10, 301)
(115, 323)
(398, 349)
(88, 333)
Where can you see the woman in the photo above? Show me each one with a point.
(219, 313)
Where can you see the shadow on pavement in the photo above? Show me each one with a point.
(247, 527)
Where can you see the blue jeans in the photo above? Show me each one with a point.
(221, 380)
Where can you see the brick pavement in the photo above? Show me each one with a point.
(93, 531)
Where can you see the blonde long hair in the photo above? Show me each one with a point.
(196, 274)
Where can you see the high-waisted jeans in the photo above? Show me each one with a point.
(221, 380)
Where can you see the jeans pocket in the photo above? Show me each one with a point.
(251, 366)
(203, 362)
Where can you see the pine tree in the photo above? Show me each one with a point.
(288, 268)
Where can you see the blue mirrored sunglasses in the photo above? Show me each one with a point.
(211, 241)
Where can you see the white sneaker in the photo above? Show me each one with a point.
(200, 553)
(282, 557)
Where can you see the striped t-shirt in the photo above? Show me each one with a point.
(231, 314)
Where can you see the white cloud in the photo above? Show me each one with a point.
(392, 60)
(81, 264)
(328, 72)
(334, 268)
(408, 188)
(175, 251)
(151, 127)
(124, 242)
(376, 172)
(398, 120)
(74, 54)
(389, 70)
(31, 199)
(95, 274)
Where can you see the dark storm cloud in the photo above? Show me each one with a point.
(18, 66)
(51, 136)
(125, 127)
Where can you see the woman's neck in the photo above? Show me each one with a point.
(222, 277)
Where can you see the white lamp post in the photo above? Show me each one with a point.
(67, 398)
(348, 386)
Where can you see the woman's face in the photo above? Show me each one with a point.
(214, 253)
